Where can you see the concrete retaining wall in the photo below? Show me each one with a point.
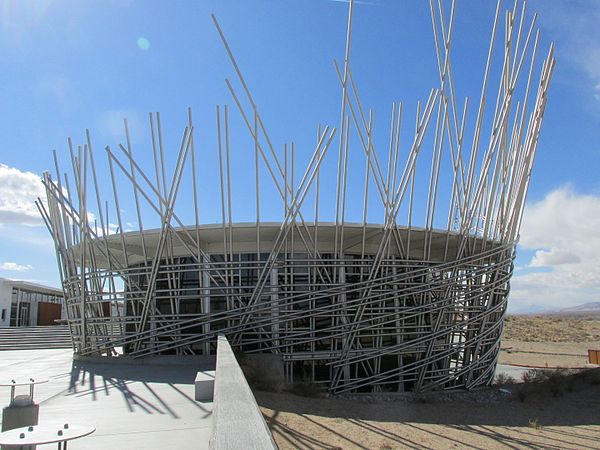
(237, 420)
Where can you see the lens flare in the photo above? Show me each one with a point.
(143, 43)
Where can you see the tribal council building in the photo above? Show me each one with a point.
(412, 303)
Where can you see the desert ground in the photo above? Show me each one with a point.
(562, 412)
(554, 340)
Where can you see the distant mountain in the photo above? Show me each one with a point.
(525, 310)
(537, 310)
(591, 307)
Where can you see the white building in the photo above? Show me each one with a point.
(23, 304)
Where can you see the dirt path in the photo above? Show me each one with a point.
(552, 354)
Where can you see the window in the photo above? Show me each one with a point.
(3, 314)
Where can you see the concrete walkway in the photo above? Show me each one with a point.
(148, 406)
(512, 371)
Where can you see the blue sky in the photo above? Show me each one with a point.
(70, 65)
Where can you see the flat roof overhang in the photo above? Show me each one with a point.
(244, 237)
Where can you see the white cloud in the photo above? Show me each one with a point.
(18, 192)
(553, 257)
(563, 230)
(539, 291)
(565, 221)
(96, 224)
(11, 266)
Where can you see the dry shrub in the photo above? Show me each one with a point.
(534, 423)
(534, 376)
(556, 382)
(591, 376)
(503, 379)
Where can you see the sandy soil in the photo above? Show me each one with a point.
(570, 421)
(550, 340)
(579, 328)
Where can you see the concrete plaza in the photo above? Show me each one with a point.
(150, 406)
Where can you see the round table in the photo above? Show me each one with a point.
(47, 433)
